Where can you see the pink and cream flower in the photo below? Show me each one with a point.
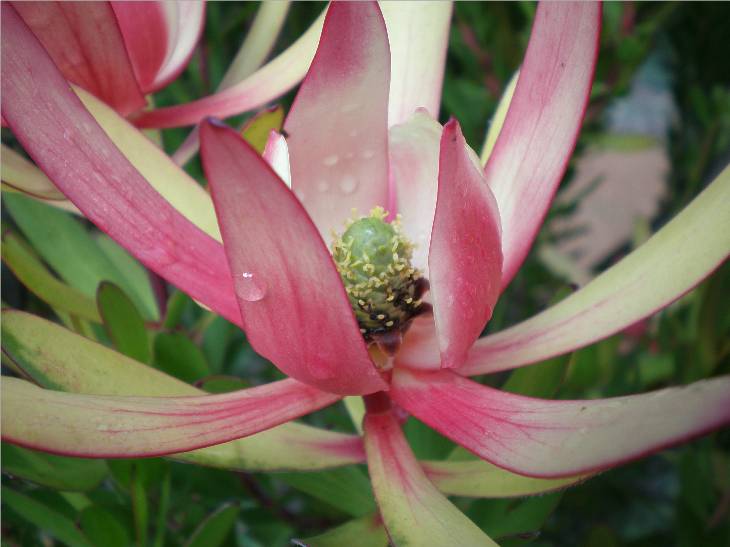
(361, 134)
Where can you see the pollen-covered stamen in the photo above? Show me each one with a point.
(374, 261)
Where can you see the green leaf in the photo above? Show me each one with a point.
(540, 380)
(425, 442)
(346, 488)
(60, 473)
(139, 506)
(215, 342)
(40, 515)
(35, 276)
(501, 518)
(178, 356)
(65, 244)
(163, 507)
(223, 384)
(123, 322)
(214, 530)
(103, 528)
(137, 278)
(367, 531)
(176, 305)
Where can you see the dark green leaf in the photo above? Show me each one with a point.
(66, 245)
(103, 528)
(540, 380)
(123, 322)
(58, 472)
(213, 531)
(45, 518)
(346, 488)
(177, 355)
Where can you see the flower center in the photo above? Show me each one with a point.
(374, 260)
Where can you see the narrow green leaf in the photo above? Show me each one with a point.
(45, 518)
(178, 356)
(540, 380)
(176, 305)
(215, 342)
(214, 530)
(162, 508)
(123, 322)
(139, 507)
(345, 488)
(425, 442)
(35, 276)
(137, 281)
(367, 531)
(223, 384)
(67, 246)
(60, 473)
(103, 528)
(501, 518)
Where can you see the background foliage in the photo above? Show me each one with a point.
(679, 497)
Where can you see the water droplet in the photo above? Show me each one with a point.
(323, 186)
(250, 287)
(348, 184)
(349, 107)
(367, 154)
(329, 161)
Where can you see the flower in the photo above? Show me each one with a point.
(274, 274)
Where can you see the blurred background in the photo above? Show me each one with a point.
(657, 130)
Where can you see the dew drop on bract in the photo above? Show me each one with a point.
(348, 184)
(250, 287)
(331, 160)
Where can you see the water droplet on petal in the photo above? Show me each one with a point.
(323, 186)
(250, 287)
(329, 161)
(348, 184)
(367, 154)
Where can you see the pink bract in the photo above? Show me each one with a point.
(274, 276)
(117, 50)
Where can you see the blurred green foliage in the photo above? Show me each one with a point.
(678, 497)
